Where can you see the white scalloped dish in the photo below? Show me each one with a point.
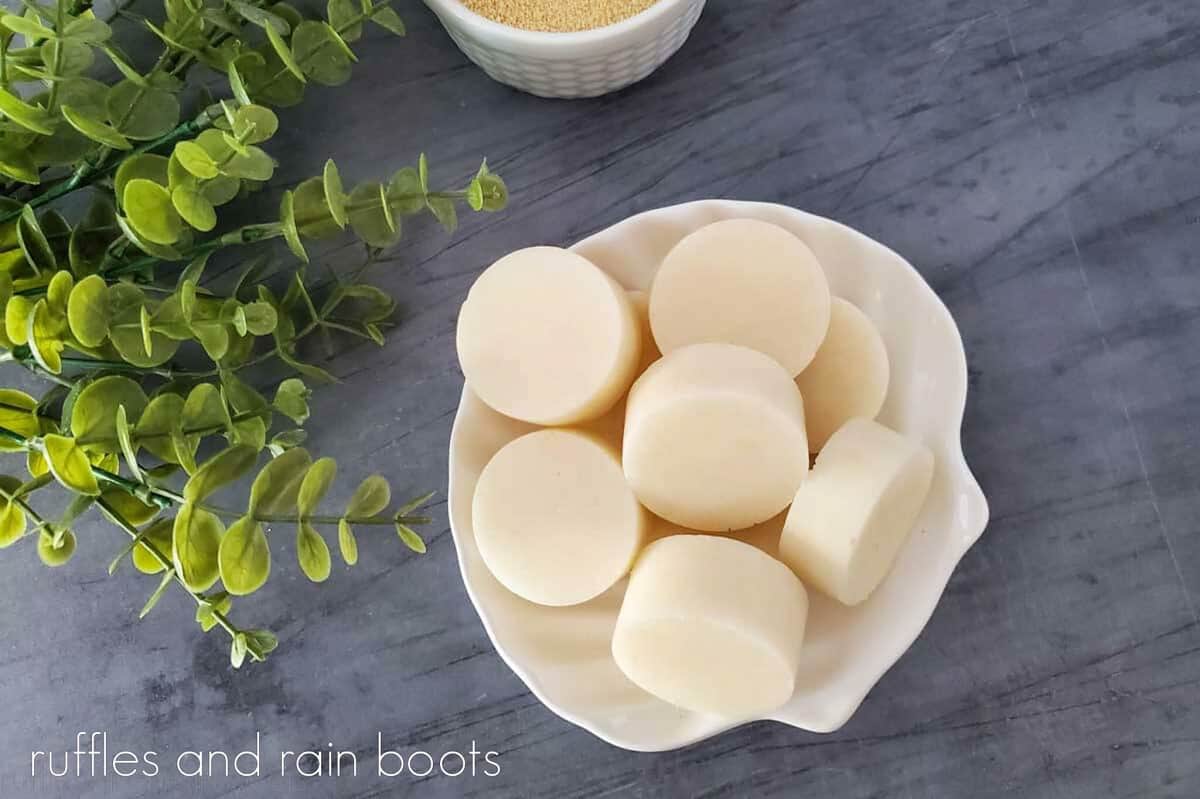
(563, 653)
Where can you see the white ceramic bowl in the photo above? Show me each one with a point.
(583, 64)
(563, 654)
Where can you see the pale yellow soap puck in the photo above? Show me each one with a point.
(848, 378)
(715, 437)
(712, 625)
(554, 519)
(856, 509)
(746, 282)
(546, 337)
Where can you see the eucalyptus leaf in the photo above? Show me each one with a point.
(33, 242)
(93, 414)
(347, 543)
(193, 157)
(276, 489)
(244, 557)
(335, 197)
(141, 112)
(312, 553)
(95, 129)
(18, 413)
(70, 465)
(254, 124)
(368, 219)
(388, 19)
(131, 508)
(159, 593)
(410, 538)
(315, 485)
(194, 207)
(344, 15)
(291, 399)
(205, 409)
(31, 117)
(221, 469)
(320, 54)
(287, 221)
(372, 496)
(153, 429)
(56, 551)
(87, 311)
(195, 546)
(149, 209)
(143, 165)
(284, 52)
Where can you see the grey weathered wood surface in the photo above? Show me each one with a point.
(1039, 162)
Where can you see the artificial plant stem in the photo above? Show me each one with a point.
(222, 621)
(59, 49)
(88, 173)
(244, 235)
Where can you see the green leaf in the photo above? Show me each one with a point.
(196, 160)
(125, 439)
(206, 612)
(237, 84)
(29, 27)
(413, 504)
(276, 489)
(260, 643)
(44, 337)
(159, 592)
(153, 429)
(161, 536)
(475, 195)
(291, 399)
(92, 236)
(205, 408)
(125, 303)
(214, 338)
(260, 17)
(254, 124)
(284, 52)
(19, 164)
(143, 165)
(260, 318)
(314, 216)
(287, 220)
(405, 194)
(313, 553)
(444, 211)
(141, 112)
(368, 218)
(88, 311)
(307, 369)
(196, 544)
(372, 496)
(423, 173)
(410, 538)
(33, 242)
(320, 53)
(17, 315)
(69, 464)
(389, 20)
(194, 207)
(87, 29)
(335, 197)
(254, 164)
(343, 15)
(347, 543)
(336, 39)
(94, 129)
(244, 557)
(317, 481)
(237, 648)
(286, 441)
(18, 412)
(93, 414)
(130, 508)
(72, 57)
(30, 117)
(124, 67)
(223, 468)
(56, 551)
(12, 515)
(149, 209)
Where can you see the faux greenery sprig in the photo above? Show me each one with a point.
(151, 411)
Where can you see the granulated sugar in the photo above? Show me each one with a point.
(558, 15)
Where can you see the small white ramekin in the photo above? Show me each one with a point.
(584, 64)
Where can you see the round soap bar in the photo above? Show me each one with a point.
(855, 510)
(715, 437)
(546, 337)
(554, 520)
(849, 376)
(610, 427)
(712, 625)
(745, 282)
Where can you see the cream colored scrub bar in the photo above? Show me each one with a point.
(849, 376)
(746, 282)
(856, 509)
(546, 337)
(715, 437)
(712, 625)
(554, 520)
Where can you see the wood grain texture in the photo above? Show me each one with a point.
(1039, 163)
